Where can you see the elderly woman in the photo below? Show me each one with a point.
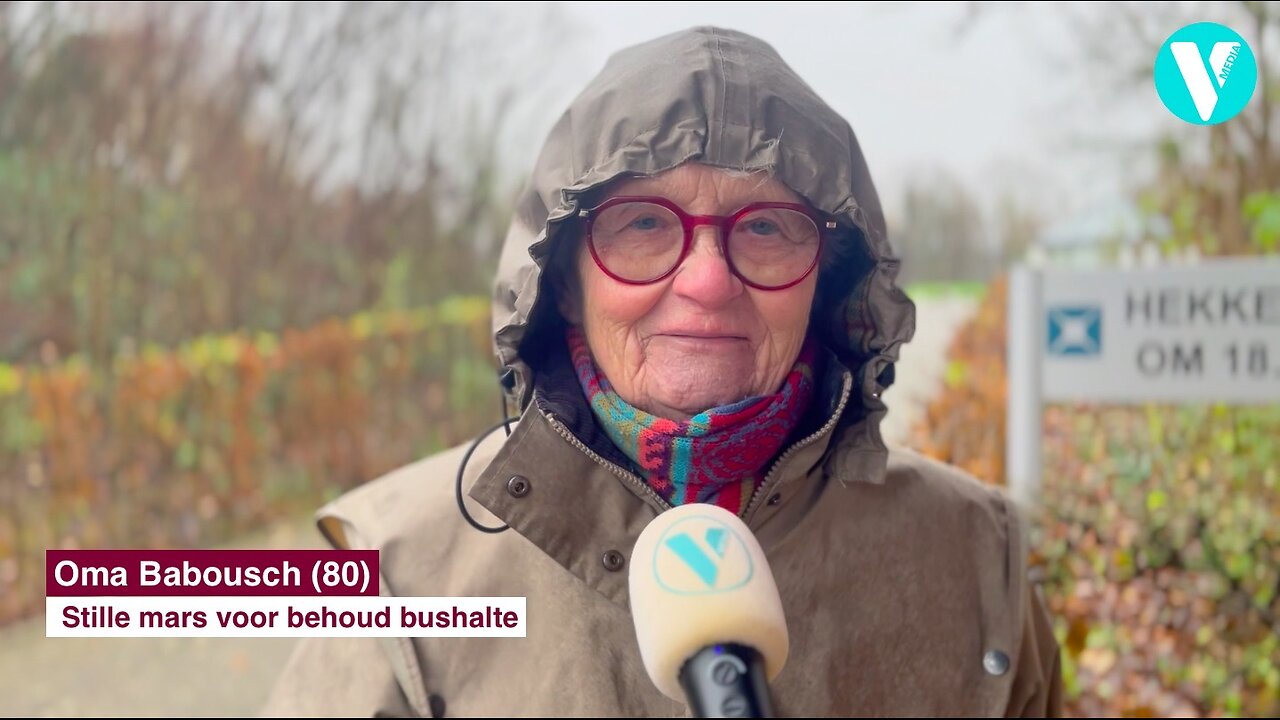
(696, 303)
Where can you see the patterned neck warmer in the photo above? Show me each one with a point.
(718, 456)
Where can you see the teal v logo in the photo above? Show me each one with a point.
(698, 561)
(700, 555)
(1199, 83)
(1205, 73)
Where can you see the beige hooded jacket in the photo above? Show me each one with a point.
(903, 580)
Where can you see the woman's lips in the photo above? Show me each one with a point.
(702, 341)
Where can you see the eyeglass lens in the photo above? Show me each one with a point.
(641, 241)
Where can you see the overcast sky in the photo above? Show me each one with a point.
(1007, 105)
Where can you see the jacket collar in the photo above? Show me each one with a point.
(561, 484)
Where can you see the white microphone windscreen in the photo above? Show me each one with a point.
(698, 577)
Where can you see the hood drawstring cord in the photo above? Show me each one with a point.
(457, 488)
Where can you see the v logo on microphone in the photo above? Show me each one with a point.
(706, 568)
(1204, 92)
(701, 555)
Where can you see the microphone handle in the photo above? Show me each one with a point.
(726, 680)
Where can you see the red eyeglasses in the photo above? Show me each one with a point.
(641, 240)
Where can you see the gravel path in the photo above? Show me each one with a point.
(153, 677)
(918, 375)
(147, 677)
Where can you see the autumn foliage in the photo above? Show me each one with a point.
(190, 446)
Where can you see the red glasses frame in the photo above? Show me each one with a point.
(690, 222)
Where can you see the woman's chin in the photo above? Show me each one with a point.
(686, 402)
(691, 382)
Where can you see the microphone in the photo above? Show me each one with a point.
(707, 613)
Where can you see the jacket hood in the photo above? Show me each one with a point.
(725, 99)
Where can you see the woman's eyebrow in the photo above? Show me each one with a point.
(727, 203)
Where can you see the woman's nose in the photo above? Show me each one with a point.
(704, 276)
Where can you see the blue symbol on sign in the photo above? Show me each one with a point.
(1075, 331)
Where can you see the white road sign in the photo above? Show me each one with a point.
(1204, 333)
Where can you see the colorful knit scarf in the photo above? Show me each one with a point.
(717, 456)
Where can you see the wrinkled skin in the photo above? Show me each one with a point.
(699, 338)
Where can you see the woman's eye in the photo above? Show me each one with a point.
(644, 223)
(762, 227)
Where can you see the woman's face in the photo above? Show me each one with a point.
(700, 337)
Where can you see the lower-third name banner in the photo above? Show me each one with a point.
(225, 616)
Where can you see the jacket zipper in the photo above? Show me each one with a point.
(625, 475)
(770, 479)
(765, 487)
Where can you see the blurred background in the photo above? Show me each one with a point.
(245, 251)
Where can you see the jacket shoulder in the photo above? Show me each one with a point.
(411, 500)
(410, 517)
(940, 482)
(956, 501)
(930, 488)
(1035, 664)
(995, 541)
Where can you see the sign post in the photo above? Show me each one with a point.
(1023, 415)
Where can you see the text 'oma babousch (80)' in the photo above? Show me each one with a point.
(260, 593)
